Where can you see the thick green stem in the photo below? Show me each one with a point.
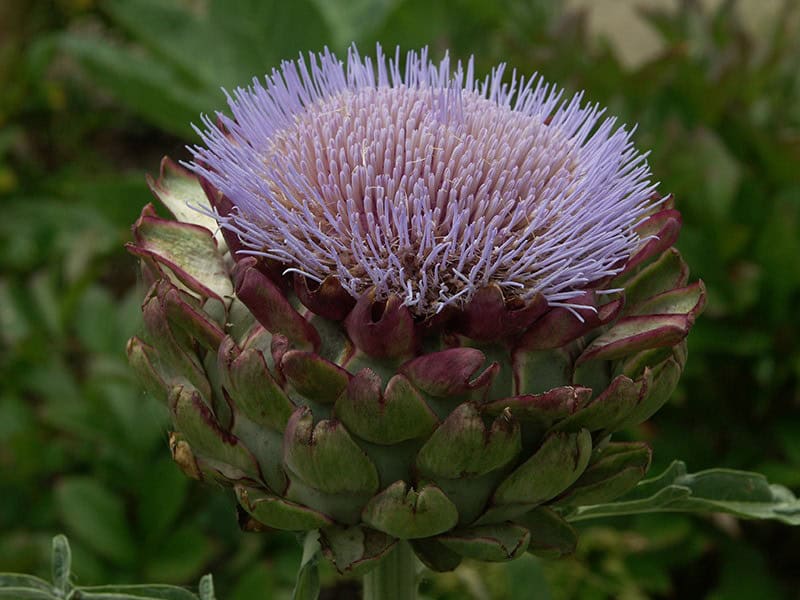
(395, 578)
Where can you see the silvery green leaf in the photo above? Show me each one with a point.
(206, 588)
(21, 593)
(25, 587)
(15, 580)
(62, 564)
(135, 592)
(740, 493)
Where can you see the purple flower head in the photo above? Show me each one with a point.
(425, 182)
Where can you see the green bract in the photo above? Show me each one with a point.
(469, 433)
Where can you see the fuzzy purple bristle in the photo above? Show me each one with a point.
(426, 182)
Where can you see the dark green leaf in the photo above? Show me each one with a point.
(249, 36)
(180, 556)
(97, 516)
(353, 20)
(164, 491)
(142, 83)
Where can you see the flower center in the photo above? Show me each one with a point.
(424, 188)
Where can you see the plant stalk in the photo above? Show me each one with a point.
(395, 577)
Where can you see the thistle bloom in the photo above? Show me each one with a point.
(431, 303)
(426, 183)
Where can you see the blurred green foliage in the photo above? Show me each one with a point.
(93, 93)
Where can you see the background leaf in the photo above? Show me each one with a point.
(352, 20)
(97, 517)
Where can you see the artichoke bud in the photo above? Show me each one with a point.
(432, 339)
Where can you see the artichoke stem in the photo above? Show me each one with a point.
(395, 577)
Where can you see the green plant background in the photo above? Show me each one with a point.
(93, 93)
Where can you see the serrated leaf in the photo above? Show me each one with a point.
(740, 493)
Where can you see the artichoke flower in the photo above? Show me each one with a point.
(410, 306)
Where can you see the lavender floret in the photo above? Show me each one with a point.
(426, 182)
